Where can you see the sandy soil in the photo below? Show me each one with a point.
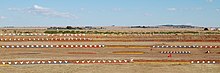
(110, 68)
(7, 54)
(105, 53)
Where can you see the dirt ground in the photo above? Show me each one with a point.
(112, 68)
(150, 53)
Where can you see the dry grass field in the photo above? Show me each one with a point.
(109, 68)
(116, 47)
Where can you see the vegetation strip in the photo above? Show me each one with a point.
(101, 32)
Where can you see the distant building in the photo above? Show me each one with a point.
(88, 27)
(214, 29)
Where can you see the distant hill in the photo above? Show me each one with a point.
(180, 26)
(167, 26)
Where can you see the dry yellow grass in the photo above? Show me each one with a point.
(130, 46)
(177, 63)
(128, 52)
(1, 65)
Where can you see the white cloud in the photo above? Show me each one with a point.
(36, 9)
(185, 9)
(82, 9)
(39, 7)
(218, 10)
(2, 17)
(195, 9)
(191, 9)
(147, 14)
(210, 0)
(172, 9)
(116, 9)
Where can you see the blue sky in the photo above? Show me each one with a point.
(109, 12)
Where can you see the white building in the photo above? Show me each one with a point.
(214, 29)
